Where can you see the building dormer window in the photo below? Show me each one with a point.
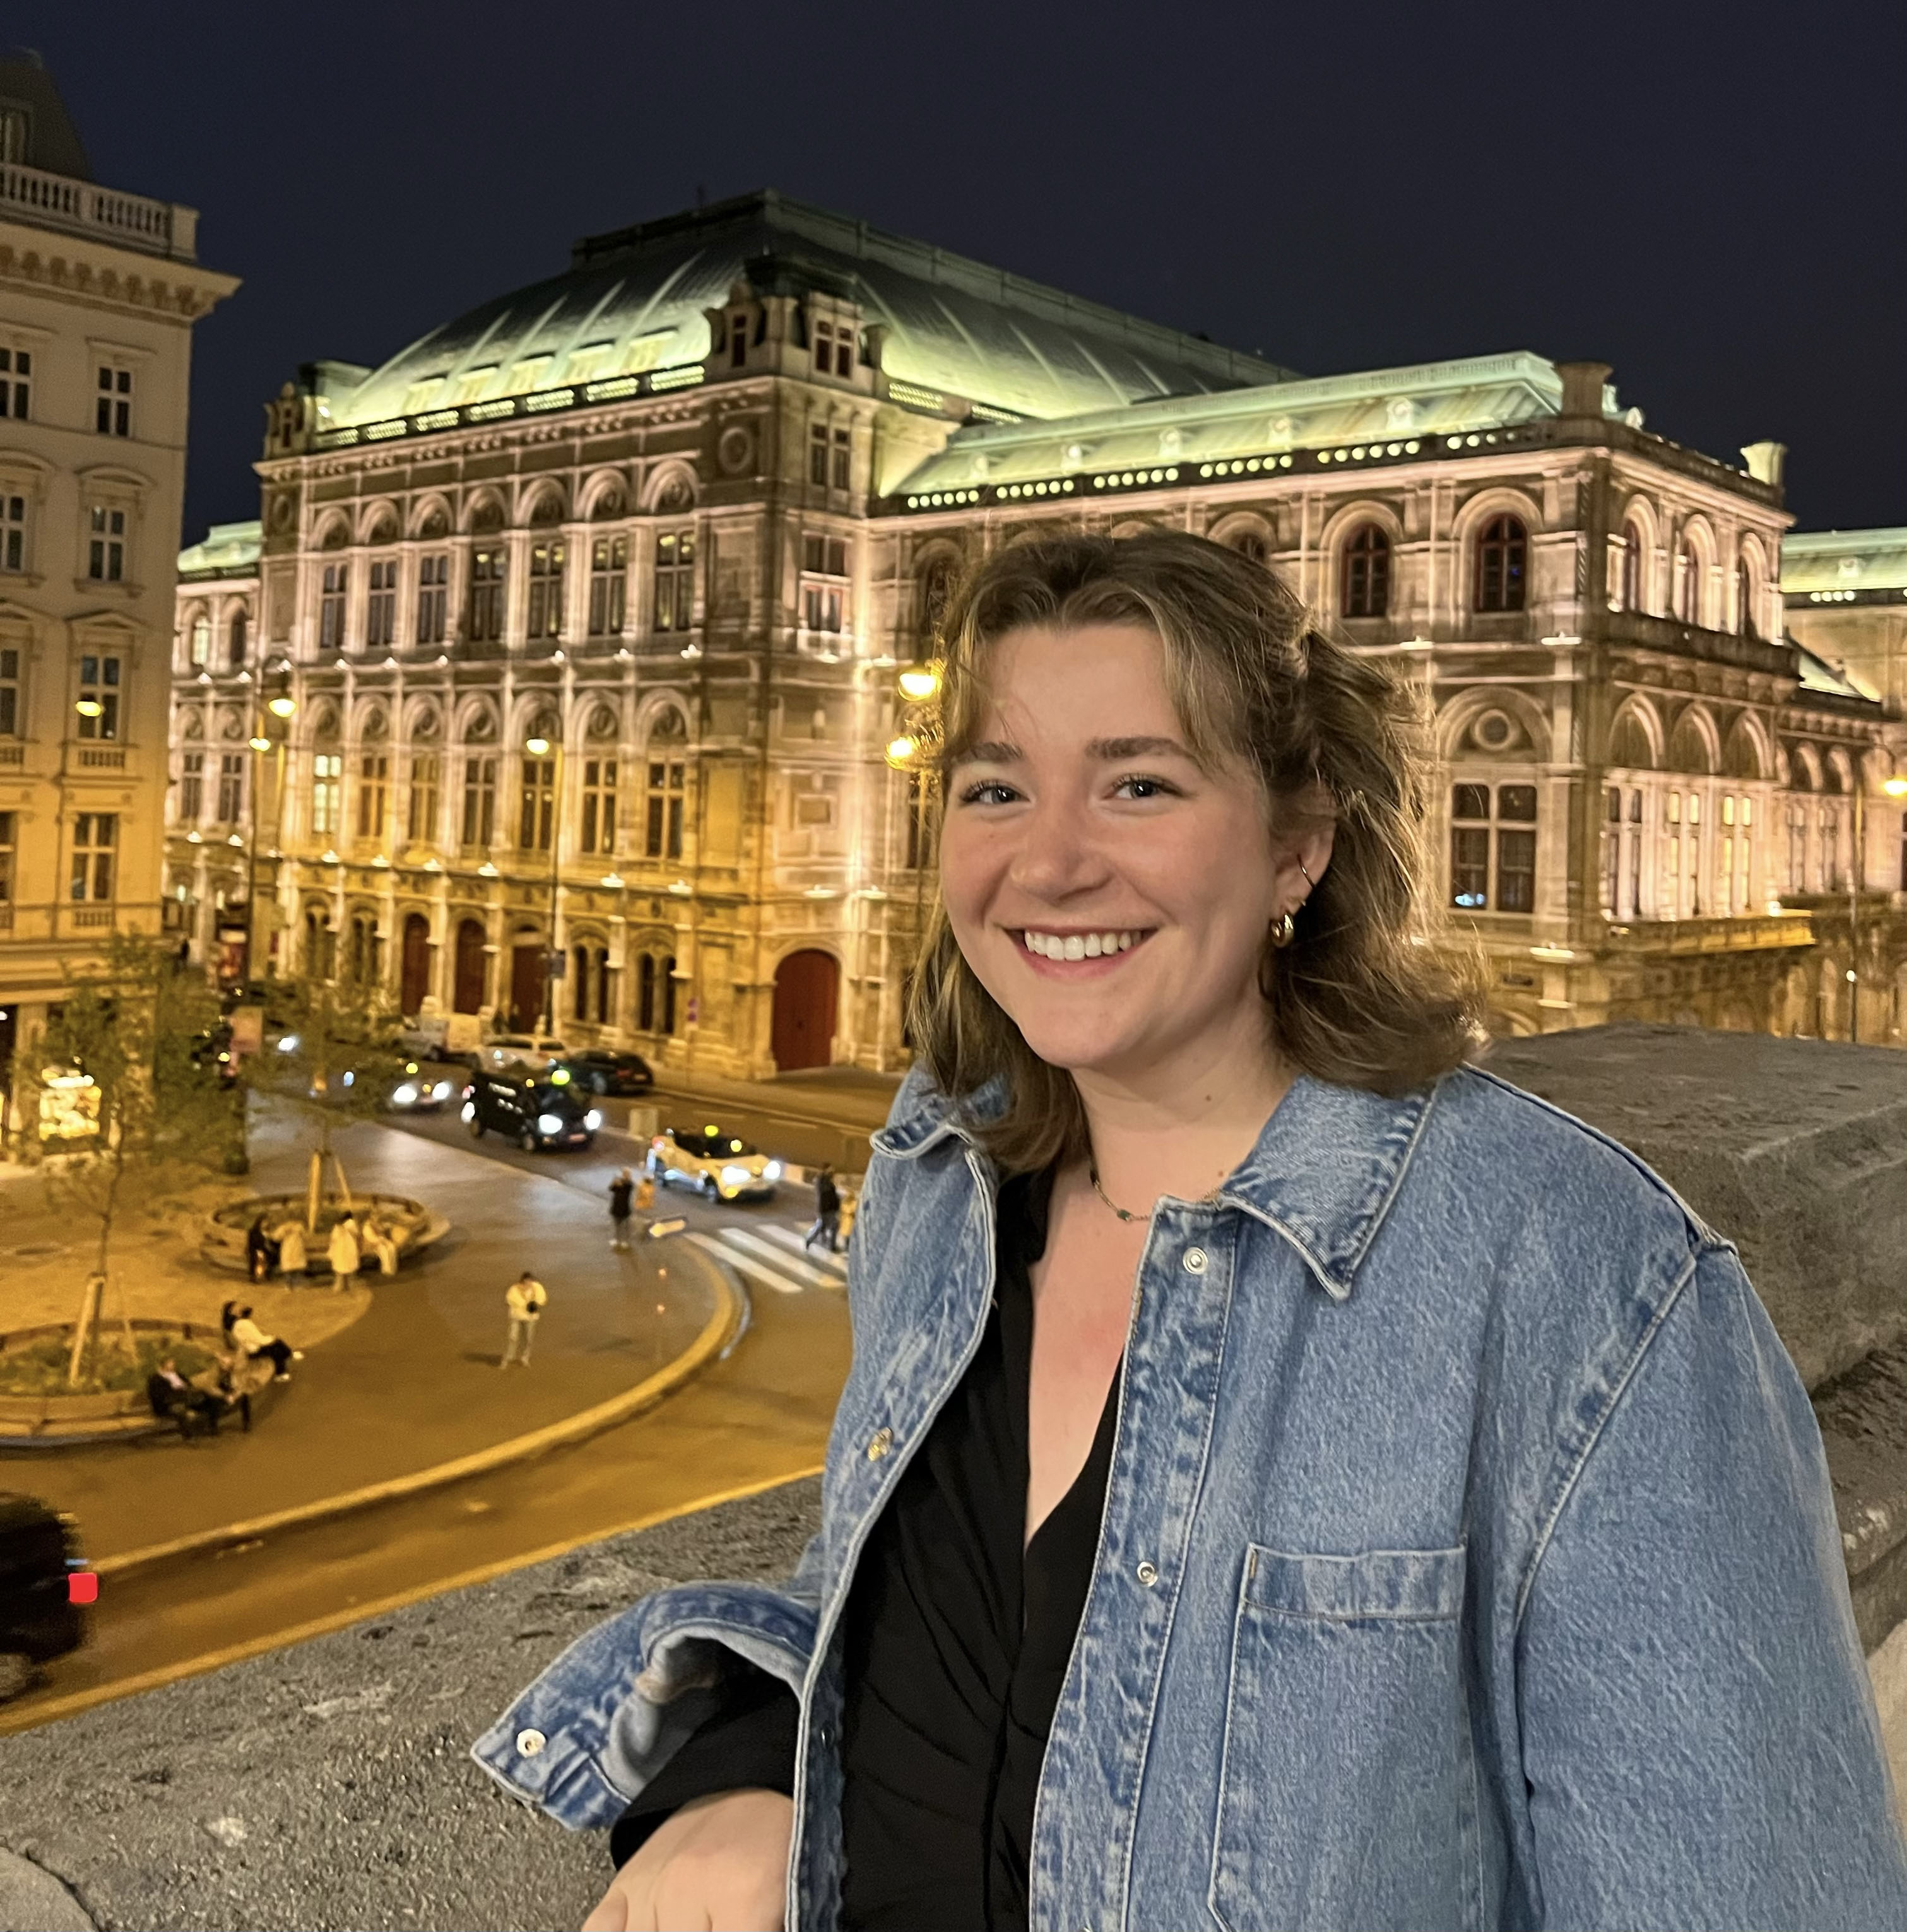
(834, 349)
(16, 382)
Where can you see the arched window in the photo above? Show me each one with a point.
(1688, 570)
(1632, 542)
(1364, 589)
(1502, 553)
(935, 592)
(238, 636)
(1745, 601)
(645, 1007)
(1250, 543)
(666, 791)
(201, 638)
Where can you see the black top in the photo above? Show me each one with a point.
(956, 1646)
(620, 1191)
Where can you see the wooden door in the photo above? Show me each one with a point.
(807, 985)
(471, 962)
(416, 964)
(527, 969)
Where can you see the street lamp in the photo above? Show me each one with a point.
(540, 747)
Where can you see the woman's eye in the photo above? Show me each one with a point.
(1142, 788)
(989, 791)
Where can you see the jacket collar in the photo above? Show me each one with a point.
(1322, 1174)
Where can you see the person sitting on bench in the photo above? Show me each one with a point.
(174, 1400)
(256, 1343)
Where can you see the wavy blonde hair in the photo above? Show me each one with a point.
(1375, 990)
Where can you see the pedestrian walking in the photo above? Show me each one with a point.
(620, 1190)
(827, 1224)
(524, 1298)
(344, 1252)
(293, 1257)
(258, 1249)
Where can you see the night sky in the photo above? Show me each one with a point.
(1712, 198)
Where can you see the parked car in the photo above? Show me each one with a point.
(38, 1619)
(720, 1166)
(603, 1069)
(423, 1088)
(537, 1052)
(515, 1101)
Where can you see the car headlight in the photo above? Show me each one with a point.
(592, 1120)
(773, 1171)
(736, 1176)
(443, 1089)
(289, 1044)
(405, 1096)
(549, 1123)
(469, 1110)
(350, 1080)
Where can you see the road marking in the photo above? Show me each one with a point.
(743, 1263)
(836, 1265)
(796, 1264)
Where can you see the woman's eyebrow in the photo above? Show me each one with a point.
(1116, 750)
(991, 752)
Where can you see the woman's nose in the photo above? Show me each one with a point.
(1056, 856)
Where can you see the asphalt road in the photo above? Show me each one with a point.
(760, 1416)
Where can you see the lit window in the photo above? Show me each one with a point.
(330, 606)
(479, 801)
(667, 791)
(106, 555)
(113, 409)
(1502, 560)
(608, 585)
(327, 788)
(98, 706)
(675, 580)
(487, 594)
(600, 805)
(433, 592)
(13, 533)
(380, 613)
(537, 817)
(95, 840)
(1367, 573)
(823, 587)
(546, 589)
(1502, 843)
(423, 820)
(16, 382)
(373, 785)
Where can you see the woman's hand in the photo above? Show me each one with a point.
(719, 1865)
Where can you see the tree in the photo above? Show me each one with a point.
(131, 1106)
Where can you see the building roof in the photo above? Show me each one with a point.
(635, 300)
(1816, 562)
(1817, 674)
(226, 550)
(1408, 405)
(53, 143)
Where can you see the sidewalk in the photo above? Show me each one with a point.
(414, 1380)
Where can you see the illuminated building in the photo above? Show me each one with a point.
(685, 511)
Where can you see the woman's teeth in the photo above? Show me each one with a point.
(1080, 945)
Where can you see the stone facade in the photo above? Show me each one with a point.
(98, 293)
(681, 515)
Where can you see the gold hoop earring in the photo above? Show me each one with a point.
(1282, 929)
(1308, 879)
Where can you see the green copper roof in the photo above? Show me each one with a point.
(226, 550)
(634, 300)
(1855, 560)
(1369, 407)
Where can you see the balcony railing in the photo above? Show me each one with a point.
(44, 200)
(1743, 932)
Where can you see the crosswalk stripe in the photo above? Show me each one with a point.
(779, 1232)
(755, 1271)
(802, 1270)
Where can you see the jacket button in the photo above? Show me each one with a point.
(879, 1443)
(529, 1743)
(1195, 1261)
(1147, 1574)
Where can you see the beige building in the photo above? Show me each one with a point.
(588, 609)
(98, 292)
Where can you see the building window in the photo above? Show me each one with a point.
(1688, 568)
(231, 787)
(817, 455)
(1797, 850)
(199, 649)
(1631, 565)
(113, 410)
(921, 821)
(600, 805)
(1745, 601)
(13, 533)
(661, 832)
(330, 606)
(1367, 573)
(98, 705)
(609, 558)
(1682, 894)
(834, 350)
(487, 594)
(16, 382)
(666, 973)
(675, 580)
(737, 341)
(95, 838)
(10, 703)
(380, 613)
(374, 788)
(844, 454)
(479, 801)
(538, 812)
(191, 788)
(327, 787)
(1830, 847)
(546, 589)
(105, 554)
(238, 638)
(1631, 901)
(825, 558)
(433, 593)
(6, 858)
(421, 825)
(1502, 562)
(1493, 854)
(645, 996)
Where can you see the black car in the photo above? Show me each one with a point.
(603, 1070)
(529, 1109)
(38, 1620)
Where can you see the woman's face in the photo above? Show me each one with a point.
(1079, 816)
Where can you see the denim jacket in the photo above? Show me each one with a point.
(1468, 1557)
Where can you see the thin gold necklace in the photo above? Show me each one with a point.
(1124, 1214)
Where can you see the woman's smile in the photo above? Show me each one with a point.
(1074, 952)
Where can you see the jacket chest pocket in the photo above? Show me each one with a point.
(1338, 1799)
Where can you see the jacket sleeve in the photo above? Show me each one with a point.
(1699, 1736)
